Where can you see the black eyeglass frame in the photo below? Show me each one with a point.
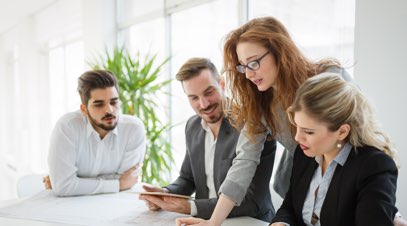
(242, 68)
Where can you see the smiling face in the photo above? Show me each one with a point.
(265, 76)
(102, 109)
(315, 138)
(205, 96)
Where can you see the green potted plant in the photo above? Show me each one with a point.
(139, 85)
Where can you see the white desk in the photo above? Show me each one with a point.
(238, 221)
(120, 209)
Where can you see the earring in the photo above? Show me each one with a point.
(338, 145)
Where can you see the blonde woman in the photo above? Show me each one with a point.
(343, 171)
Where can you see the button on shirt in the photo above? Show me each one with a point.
(81, 163)
(210, 146)
(321, 182)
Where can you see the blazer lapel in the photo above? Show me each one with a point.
(331, 207)
(303, 184)
(220, 150)
(198, 152)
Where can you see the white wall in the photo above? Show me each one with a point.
(380, 70)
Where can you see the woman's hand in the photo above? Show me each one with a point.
(193, 221)
(277, 224)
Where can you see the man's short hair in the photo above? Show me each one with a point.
(194, 66)
(95, 79)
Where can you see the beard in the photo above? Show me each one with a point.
(100, 125)
(214, 117)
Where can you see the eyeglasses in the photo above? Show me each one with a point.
(253, 65)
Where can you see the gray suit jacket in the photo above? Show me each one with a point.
(257, 202)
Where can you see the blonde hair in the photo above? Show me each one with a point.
(328, 98)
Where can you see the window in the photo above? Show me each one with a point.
(177, 35)
(196, 32)
(184, 29)
(321, 28)
(66, 64)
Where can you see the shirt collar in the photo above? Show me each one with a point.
(343, 154)
(341, 157)
(205, 125)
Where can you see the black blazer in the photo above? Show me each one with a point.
(362, 191)
(192, 178)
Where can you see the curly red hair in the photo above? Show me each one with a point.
(249, 105)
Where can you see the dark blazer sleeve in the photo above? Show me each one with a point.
(376, 185)
(205, 207)
(184, 184)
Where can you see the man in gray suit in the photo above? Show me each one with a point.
(211, 143)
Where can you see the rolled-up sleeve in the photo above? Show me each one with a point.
(244, 166)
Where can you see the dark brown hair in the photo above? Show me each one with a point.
(95, 79)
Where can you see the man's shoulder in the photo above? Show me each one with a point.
(130, 121)
(71, 118)
(194, 120)
(193, 125)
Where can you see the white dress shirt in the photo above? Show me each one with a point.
(81, 163)
(210, 146)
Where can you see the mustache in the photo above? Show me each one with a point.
(108, 115)
(209, 107)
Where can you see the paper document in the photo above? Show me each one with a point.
(116, 209)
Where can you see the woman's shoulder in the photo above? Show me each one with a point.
(339, 70)
(373, 159)
(369, 151)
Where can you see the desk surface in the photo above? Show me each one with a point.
(238, 221)
(123, 209)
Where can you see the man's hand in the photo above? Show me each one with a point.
(151, 188)
(129, 178)
(173, 204)
(47, 182)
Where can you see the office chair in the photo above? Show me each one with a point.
(29, 185)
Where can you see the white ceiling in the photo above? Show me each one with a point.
(11, 11)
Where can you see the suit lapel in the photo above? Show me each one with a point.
(198, 152)
(333, 207)
(329, 210)
(304, 182)
(222, 136)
